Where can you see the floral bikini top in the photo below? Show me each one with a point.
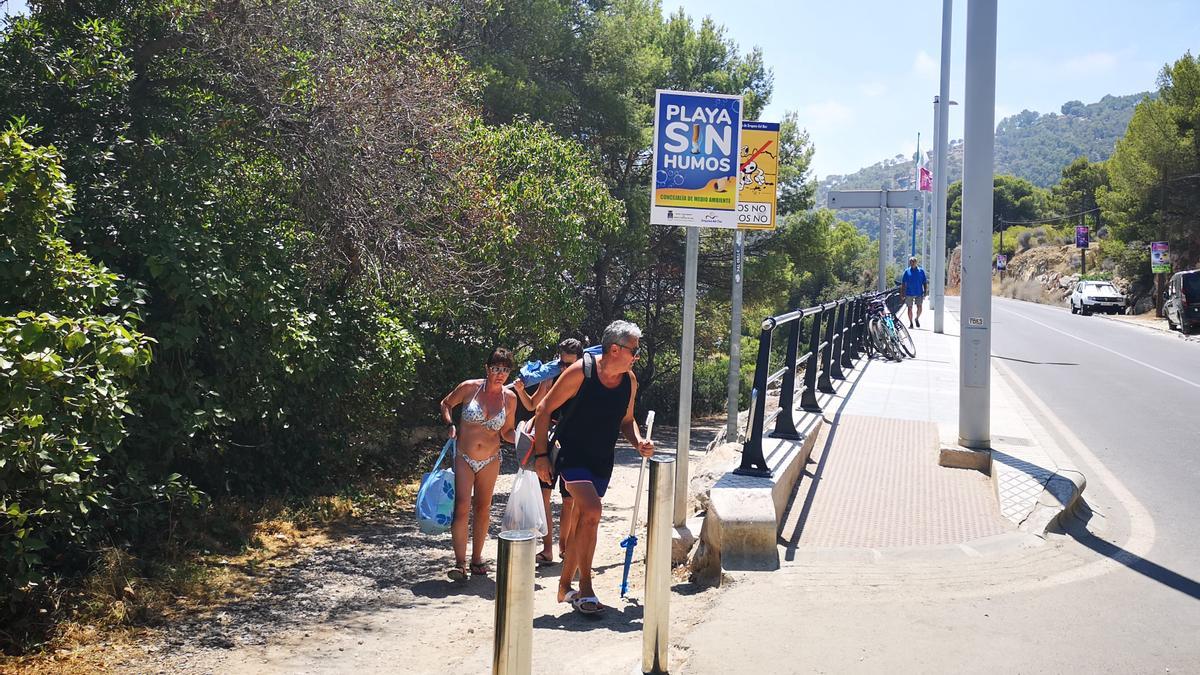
(473, 412)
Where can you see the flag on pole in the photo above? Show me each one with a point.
(926, 180)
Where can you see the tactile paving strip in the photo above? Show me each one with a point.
(875, 483)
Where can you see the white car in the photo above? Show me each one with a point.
(1096, 296)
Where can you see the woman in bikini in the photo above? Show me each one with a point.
(488, 416)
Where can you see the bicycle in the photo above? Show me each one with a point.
(888, 336)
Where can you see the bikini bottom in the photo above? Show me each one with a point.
(478, 465)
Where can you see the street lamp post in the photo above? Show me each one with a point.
(942, 122)
(975, 321)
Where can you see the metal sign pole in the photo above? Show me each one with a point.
(735, 337)
(882, 240)
(686, 357)
(975, 344)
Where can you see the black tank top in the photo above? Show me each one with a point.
(589, 436)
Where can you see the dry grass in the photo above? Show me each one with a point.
(118, 605)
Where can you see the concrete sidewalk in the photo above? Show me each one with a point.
(874, 514)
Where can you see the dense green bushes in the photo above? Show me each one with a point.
(69, 354)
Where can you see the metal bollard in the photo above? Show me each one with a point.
(656, 620)
(512, 648)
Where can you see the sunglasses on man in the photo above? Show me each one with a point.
(636, 351)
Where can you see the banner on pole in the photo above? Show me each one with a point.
(758, 172)
(926, 182)
(696, 142)
(1001, 261)
(1160, 257)
(1081, 236)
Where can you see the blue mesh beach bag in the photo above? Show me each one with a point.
(435, 499)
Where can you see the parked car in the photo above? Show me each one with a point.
(1181, 302)
(1096, 296)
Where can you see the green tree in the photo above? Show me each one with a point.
(1155, 169)
(1013, 200)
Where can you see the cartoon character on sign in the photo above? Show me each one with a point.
(752, 176)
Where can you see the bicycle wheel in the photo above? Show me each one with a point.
(893, 340)
(904, 339)
(879, 338)
(875, 338)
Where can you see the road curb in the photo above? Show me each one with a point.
(1064, 484)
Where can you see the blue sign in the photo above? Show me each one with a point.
(696, 144)
(1081, 236)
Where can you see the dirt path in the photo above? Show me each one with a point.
(378, 601)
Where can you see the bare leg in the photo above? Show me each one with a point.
(485, 483)
(464, 478)
(569, 565)
(920, 308)
(910, 315)
(566, 523)
(548, 540)
(582, 546)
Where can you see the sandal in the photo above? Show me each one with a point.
(542, 559)
(589, 605)
(570, 595)
(458, 572)
(479, 568)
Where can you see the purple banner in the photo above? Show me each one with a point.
(1081, 236)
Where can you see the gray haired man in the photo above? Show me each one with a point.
(604, 389)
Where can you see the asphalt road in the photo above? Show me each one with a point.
(1131, 394)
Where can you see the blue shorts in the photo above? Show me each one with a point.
(581, 475)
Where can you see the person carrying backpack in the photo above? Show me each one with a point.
(604, 389)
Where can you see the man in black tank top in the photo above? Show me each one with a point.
(604, 389)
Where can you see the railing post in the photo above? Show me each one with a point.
(835, 357)
(656, 621)
(861, 336)
(824, 384)
(848, 334)
(753, 463)
(785, 426)
(808, 399)
(855, 310)
(512, 647)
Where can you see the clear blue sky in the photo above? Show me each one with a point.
(862, 74)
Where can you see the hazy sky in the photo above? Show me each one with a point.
(862, 74)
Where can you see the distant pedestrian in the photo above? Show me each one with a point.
(605, 389)
(570, 350)
(488, 416)
(914, 286)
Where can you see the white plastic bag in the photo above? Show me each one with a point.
(525, 510)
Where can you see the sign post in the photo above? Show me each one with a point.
(758, 176)
(1081, 243)
(695, 171)
(877, 199)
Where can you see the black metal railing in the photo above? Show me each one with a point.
(828, 357)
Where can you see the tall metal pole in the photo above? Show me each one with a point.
(512, 642)
(686, 356)
(939, 174)
(656, 620)
(735, 338)
(975, 344)
(912, 245)
(882, 240)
